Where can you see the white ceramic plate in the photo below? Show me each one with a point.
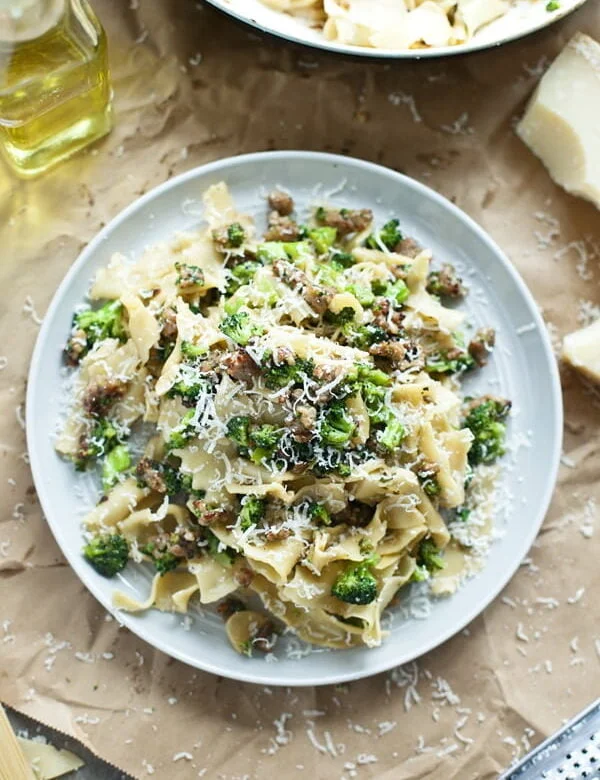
(523, 369)
(524, 17)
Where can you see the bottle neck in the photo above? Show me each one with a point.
(23, 20)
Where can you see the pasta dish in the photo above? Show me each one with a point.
(395, 24)
(310, 451)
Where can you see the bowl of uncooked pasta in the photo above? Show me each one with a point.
(398, 29)
(293, 418)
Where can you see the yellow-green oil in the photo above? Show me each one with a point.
(55, 94)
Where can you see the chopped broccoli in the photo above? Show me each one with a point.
(107, 553)
(451, 362)
(342, 260)
(242, 274)
(269, 251)
(252, 512)
(117, 461)
(329, 275)
(364, 336)
(484, 420)
(264, 440)
(298, 250)
(188, 387)
(323, 238)
(356, 585)
(342, 317)
(239, 328)
(278, 375)
(398, 292)
(94, 325)
(164, 561)
(182, 433)
(392, 435)
(266, 436)
(237, 430)
(432, 487)
(429, 556)
(420, 574)
(188, 276)
(319, 513)
(192, 351)
(100, 441)
(337, 427)
(236, 235)
(389, 236)
(224, 557)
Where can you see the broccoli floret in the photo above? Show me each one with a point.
(323, 238)
(238, 429)
(252, 512)
(182, 433)
(107, 553)
(298, 250)
(432, 487)
(429, 556)
(163, 561)
(484, 420)
(449, 363)
(342, 317)
(188, 387)
(188, 276)
(392, 435)
(342, 260)
(337, 427)
(398, 292)
(364, 336)
(192, 351)
(95, 325)
(240, 328)
(242, 274)
(362, 293)
(389, 236)
(266, 436)
(102, 438)
(269, 251)
(116, 462)
(236, 235)
(224, 557)
(357, 584)
(319, 513)
(278, 375)
(420, 574)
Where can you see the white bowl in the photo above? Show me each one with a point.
(523, 369)
(523, 17)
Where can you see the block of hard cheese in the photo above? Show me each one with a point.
(561, 124)
(582, 350)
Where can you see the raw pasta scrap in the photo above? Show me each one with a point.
(310, 444)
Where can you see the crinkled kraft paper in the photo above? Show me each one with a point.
(193, 86)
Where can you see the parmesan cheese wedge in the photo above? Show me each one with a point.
(582, 350)
(561, 124)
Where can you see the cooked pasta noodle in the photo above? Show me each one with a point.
(396, 24)
(309, 440)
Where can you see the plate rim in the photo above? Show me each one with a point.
(365, 53)
(77, 563)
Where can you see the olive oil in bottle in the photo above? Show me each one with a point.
(55, 94)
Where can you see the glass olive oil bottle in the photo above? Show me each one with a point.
(55, 94)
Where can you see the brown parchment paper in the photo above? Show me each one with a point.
(192, 86)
